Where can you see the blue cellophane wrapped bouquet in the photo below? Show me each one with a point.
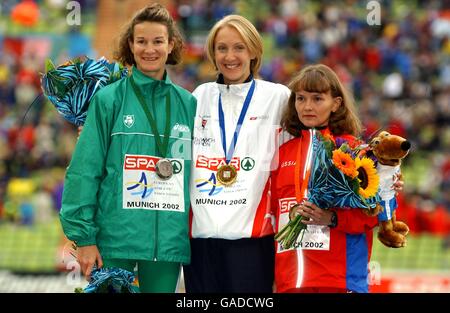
(110, 280)
(341, 177)
(71, 86)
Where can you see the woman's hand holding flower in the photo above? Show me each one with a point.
(313, 215)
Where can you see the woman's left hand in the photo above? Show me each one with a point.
(314, 215)
(80, 129)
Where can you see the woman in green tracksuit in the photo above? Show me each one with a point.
(126, 198)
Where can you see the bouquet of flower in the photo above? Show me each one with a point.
(109, 280)
(341, 177)
(71, 85)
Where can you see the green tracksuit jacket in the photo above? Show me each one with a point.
(112, 196)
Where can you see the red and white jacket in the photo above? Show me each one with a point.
(336, 257)
(241, 210)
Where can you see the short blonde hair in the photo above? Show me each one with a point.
(249, 34)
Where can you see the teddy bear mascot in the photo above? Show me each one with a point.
(389, 151)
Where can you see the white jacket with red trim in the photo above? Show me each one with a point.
(242, 209)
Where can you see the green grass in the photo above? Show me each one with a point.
(423, 252)
(35, 249)
(30, 249)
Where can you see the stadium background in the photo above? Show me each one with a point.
(399, 72)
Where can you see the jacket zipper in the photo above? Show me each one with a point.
(155, 251)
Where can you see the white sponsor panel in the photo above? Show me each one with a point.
(315, 237)
(143, 189)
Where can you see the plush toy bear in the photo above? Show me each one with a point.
(389, 151)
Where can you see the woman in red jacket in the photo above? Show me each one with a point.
(336, 246)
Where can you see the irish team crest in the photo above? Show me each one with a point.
(128, 120)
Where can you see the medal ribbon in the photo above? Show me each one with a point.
(306, 162)
(248, 98)
(160, 145)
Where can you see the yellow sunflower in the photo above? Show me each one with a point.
(367, 176)
(344, 162)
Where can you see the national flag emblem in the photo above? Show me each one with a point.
(128, 120)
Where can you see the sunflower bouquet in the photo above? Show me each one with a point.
(341, 177)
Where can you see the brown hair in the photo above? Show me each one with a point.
(151, 13)
(320, 78)
(249, 34)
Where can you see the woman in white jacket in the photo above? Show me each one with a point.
(236, 136)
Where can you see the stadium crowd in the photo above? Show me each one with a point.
(399, 72)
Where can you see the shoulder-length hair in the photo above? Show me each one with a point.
(320, 78)
(151, 13)
(249, 34)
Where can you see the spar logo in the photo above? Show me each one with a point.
(148, 163)
(140, 162)
(213, 164)
(210, 185)
(286, 204)
(248, 164)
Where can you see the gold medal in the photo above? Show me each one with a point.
(227, 174)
